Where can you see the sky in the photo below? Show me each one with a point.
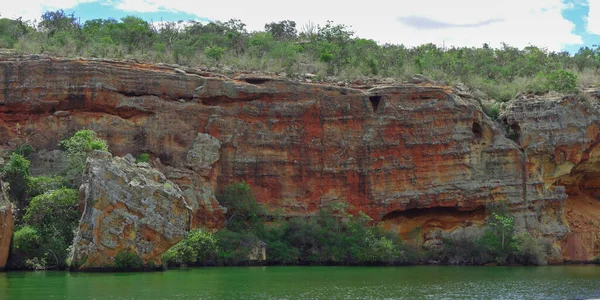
(558, 25)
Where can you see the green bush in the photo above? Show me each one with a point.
(42, 184)
(25, 245)
(54, 216)
(234, 248)
(128, 261)
(528, 250)
(562, 81)
(215, 53)
(78, 147)
(16, 173)
(198, 248)
(143, 158)
(243, 212)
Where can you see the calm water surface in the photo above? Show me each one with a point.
(428, 282)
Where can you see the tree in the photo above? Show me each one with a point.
(283, 30)
(16, 173)
(57, 21)
(78, 147)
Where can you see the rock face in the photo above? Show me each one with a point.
(560, 137)
(6, 226)
(127, 207)
(411, 155)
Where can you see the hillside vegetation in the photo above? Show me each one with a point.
(329, 51)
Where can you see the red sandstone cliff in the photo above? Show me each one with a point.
(407, 155)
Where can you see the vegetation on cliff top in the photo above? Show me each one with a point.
(323, 50)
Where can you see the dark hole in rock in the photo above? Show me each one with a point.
(514, 132)
(375, 100)
(477, 131)
(256, 80)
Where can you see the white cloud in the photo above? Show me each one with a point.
(523, 22)
(593, 24)
(33, 9)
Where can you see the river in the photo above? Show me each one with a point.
(420, 282)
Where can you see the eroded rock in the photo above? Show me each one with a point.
(127, 207)
(6, 226)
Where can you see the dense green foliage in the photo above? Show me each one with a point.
(331, 237)
(128, 261)
(16, 172)
(143, 158)
(48, 213)
(498, 244)
(39, 185)
(329, 49)
(78, 147)
(47, 230)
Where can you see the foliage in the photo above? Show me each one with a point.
(529, 251)
(16, 172)
(78, 147)
(52, 211)
(39, 185)
(143, 158)
(127, 261)
(498, 244)
(234, 248)
(215, 53)
(53, 216)
(25, 245)
(330, 48)
(243, 212)
(562, 81)
(199, 248)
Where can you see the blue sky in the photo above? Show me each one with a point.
(555, 24)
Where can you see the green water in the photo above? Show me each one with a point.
(557, 282)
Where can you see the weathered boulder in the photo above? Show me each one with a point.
(127, 207)
(6, 226)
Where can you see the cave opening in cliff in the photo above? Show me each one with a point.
(375, 100)
(477, 131)
(421, 221)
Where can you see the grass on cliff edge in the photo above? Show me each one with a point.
(327, 51)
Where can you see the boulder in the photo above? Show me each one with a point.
(127, 207)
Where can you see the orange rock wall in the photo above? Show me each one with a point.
(300, 146)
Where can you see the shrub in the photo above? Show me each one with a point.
(25, 245)
(16, 172)
(234, 248)
(143, 158)
(562, 81)
(39, 185)
(214, 53)
(54, 215)
(243, 212)
(127, 261)
(198, 248)
(24, 150)
(528, 250)
(78, 147)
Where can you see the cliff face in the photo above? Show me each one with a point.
(407, 155)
